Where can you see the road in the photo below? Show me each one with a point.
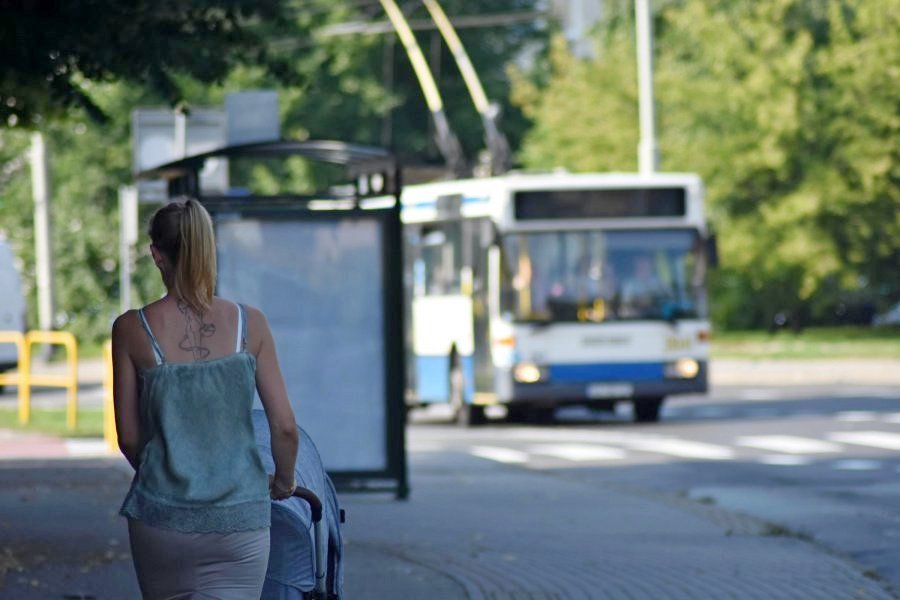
(817, 463)
(763, 492)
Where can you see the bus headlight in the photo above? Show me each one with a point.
(528, 373)
(683, 368)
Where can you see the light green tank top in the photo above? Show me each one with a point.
(199, 470)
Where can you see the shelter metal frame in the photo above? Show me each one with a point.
(371, 172)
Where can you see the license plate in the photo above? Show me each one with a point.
(610, 390)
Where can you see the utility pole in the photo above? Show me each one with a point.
(128, 235)
(43, 251)
(648, 151)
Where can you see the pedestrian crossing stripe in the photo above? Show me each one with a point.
(856, 465)
(785, 460)
(682, 448)
(579, 452)
(788, 444)
(874, 439)
(503, 455)
(786, 450)
(856, 416)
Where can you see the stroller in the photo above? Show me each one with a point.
(306, 547)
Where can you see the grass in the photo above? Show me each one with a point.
(813, 343)
(53, 421)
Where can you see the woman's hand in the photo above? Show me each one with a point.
(278, 490)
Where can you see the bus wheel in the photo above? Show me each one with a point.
(464, 414)
(529, 414)
(471, 414)
(646, 410)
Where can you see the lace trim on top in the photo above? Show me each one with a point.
(244, 516)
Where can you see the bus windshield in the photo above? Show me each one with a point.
(604, 275)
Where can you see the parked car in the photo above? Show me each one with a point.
(12, 305)
(889, 317)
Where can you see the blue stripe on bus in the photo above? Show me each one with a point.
(584, 373)
(433, 202)
(433, 378)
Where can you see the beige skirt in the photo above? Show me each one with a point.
(172, 565)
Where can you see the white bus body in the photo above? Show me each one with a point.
(537, 291)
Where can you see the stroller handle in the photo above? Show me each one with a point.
(315, 505)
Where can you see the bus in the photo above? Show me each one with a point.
(536, 291)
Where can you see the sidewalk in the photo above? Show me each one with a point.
(493, 531)
(471, 529)
(876, 371)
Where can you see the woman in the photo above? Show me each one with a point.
(185, 371)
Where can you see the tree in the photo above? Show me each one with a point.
(784, 109)
(329, 87)
(53, 52)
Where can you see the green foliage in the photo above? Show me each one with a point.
(603, 94)
(89, 423)
(51, 53)
(789, 111)
(106, 59)
(88, 162)
(812, 343)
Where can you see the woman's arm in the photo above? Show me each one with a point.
(272, 392)
(125, 393)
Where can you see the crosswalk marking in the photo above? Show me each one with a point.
(892, 418)
(760, 395)
(87, 447)
(875, 439)
(586, 446)
(785, 460)
(681, 448)
(579, 452)
(856, 465)
(788, 444)
(855, 416)
(504, 455)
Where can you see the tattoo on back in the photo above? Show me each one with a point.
(195, 329)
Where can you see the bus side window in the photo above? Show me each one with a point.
(440, 252)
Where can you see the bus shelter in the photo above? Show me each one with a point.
(326, 269)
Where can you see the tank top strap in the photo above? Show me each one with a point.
(157, 351)
(241, 343)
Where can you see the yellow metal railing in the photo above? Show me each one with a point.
(25, 379)
(18, 378)
(109, 411)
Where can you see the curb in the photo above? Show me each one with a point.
(16, 445)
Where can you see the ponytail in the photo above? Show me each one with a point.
(183, 231)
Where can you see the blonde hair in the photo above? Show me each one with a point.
(183, 231)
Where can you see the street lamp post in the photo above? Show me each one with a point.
(648, 151)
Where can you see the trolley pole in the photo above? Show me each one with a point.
(447, 143)
(496, 143)
(648, 151)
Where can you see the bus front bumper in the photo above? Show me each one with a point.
(599, 390)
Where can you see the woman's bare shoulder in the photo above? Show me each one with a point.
(256, 319)
(126, 326)
(125, 321)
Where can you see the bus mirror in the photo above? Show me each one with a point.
(712, 250)
(495, 237)
(434, 238)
